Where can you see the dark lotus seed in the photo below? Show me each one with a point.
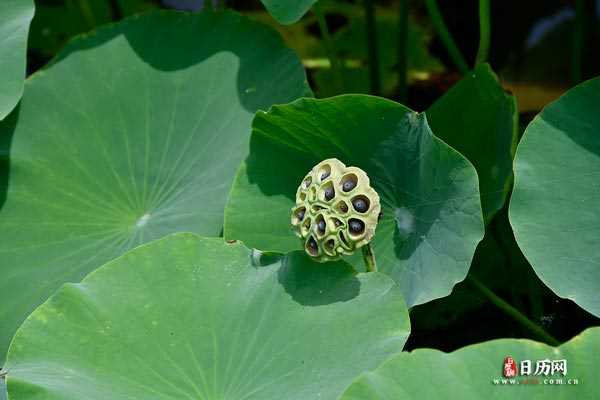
(325, 175)
(356, 226)
(348, 185)
(321, 226)
(329, 193)
(307, 223)
(343, 207)
(312, 245)
(360, 205)
(343, 238)
(300, 214)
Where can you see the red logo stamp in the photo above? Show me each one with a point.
(509, 369)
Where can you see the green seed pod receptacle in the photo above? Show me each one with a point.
(336, 210)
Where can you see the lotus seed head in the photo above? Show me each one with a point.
(342, 206)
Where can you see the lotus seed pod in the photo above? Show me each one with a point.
(336, 210)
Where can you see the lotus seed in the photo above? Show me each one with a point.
(300, 214)
(348, 185)
(312, 244)
(307, 223)
(360, 205)
(321, 226)
(325, 175)
(356, 226)
(329, 193)
(343, 238)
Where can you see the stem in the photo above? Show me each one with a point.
(372, 49)
(369, 258)
(115, 10)
(86, 12)
(499, 235)
(329, 47)
(440, 26)
(484, 32)
(402, 51)
(578, 42)
(513, 312)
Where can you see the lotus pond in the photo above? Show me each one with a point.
(311, 199)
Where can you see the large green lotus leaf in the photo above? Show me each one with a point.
(288, 11)
(479, 119)
(475, 372)
(554, 209)
(15, 17)
(136, 134)
(195, 318)
(431, 221)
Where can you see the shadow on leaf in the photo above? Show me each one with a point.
(317, 284)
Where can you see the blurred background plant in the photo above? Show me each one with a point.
(539, 48)
(413, 52)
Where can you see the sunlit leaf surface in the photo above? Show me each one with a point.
(555, 207)
(15, 17)
(471, 372)
(134, 133)
(195, 318)
(431, 216)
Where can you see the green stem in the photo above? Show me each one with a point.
(513, 312)
(329, 47)
(440, 26)
(369, 258)
(578, 42)
(372, 49)
(500, 233)
(115, 10)
(402, 51)
(484, 32)
(86, 12)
